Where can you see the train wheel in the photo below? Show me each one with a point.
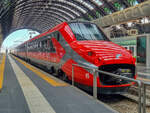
(28, 60)
(62, 75)
(51, 70)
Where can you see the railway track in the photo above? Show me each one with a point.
(133, 94)
(128, 103)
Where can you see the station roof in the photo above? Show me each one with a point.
(41, 15)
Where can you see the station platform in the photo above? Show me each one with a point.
(27, 89)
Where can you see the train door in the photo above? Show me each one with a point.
(57, 37)
(58, 41)
(47, 50)
(26, 51)
(52, 51)
(44, 49)
(36, 49)
(29, 49)
(39, 51)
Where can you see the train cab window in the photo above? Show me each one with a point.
(87, 31)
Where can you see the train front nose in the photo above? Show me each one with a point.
(126, 70)
(125, 73)
(104, 52)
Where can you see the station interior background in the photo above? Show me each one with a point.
(132, 33)
(125, 22)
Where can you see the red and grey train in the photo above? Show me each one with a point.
(83, 43)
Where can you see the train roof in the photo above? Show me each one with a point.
(42, 34)
(79, 21)
(56, 28)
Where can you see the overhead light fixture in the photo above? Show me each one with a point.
(145, 20)
(118, 26)
(129, 24)
(98, 2)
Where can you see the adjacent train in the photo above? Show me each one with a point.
(83, 43)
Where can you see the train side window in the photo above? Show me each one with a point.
(52, 35)
(58, 36)
(36, 45)
(44, 46)
(40, 46)
(52, 49)
(29, 46)
(49, 36)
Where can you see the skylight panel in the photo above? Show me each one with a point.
(98, 2)
(135, 3)
(86, 4)
(67, 8)
(59, 14)
(74, 5)
(63, 12)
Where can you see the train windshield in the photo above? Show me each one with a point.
(87, 31)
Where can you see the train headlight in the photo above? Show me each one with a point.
(125, 70)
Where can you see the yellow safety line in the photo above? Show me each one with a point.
(2, 67)
(40, 74)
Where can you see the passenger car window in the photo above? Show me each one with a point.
(44, 45)
(51, 46)
(58, 36)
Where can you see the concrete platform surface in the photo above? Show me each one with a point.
(27, 90)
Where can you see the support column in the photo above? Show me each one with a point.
(1, 37)
(148, 51)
